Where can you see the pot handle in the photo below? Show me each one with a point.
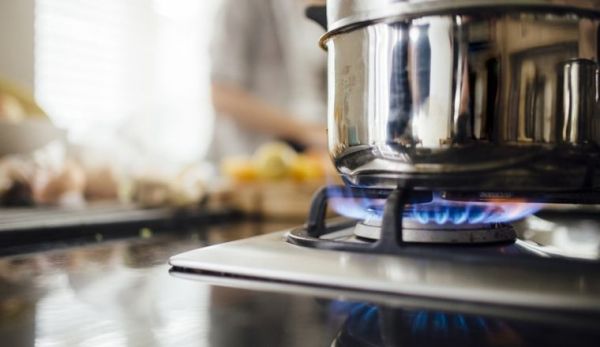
(318, 14)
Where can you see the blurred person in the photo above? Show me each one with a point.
(268, 77)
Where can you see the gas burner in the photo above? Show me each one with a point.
(328, 255)
(415, 232)
(391, 227)
(442, 224)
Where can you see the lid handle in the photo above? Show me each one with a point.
(318, 14)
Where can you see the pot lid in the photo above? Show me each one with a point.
(341, 13)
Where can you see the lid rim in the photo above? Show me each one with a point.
(342, 16)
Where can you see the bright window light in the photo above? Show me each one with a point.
(127, 73)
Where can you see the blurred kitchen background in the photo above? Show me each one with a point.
(97, 66)
(110, 101)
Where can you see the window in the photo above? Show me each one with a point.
(127, 73)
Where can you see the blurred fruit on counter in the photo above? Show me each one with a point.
(101, 183)
(185, 188)
(65, 186)
(23, 182)
(151, 191)
(310, 167)
(239, 169)
(16, 189)
(274, 160)
(277, 161)
(277, 182)
(33, 169)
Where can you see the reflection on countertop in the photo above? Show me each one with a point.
(120, 293)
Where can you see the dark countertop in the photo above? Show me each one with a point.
(120, 293)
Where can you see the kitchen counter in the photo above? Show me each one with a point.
(120, 293)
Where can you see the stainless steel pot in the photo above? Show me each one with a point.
(465, 95)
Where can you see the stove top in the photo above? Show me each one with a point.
(517, 273)
(403, 250)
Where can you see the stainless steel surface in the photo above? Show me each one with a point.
(270, 258)
(342, 13)
(478, 101)
(414, 232)
(578, 101)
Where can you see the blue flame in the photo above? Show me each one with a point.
(444, 212)
(440, 211)
(462, 324)
(363, 320)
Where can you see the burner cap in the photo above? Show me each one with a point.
(416, 232)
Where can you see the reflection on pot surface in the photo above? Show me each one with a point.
(510, 96)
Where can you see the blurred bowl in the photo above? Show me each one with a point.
(28, 135)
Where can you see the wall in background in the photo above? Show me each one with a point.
(16, 41)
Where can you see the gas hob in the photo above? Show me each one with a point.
(411, 245)
(516, 274)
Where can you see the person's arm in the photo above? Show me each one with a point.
(259, 116)
(231, 52)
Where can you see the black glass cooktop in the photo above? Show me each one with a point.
(119, 293)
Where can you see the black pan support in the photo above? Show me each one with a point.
(317, 234)
(313, 235)
(391, 233)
